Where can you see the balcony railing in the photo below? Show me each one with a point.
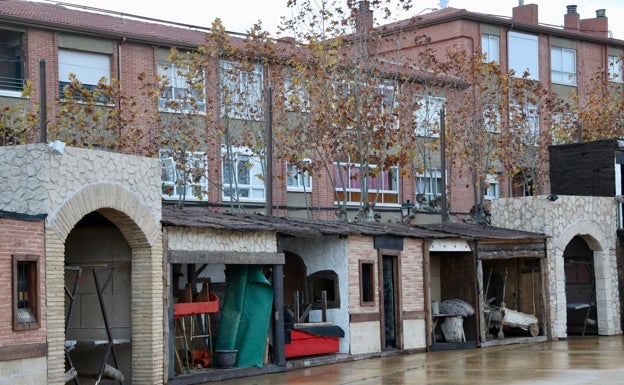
(11, 84)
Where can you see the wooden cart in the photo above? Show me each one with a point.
(512, 318)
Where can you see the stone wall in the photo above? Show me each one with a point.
(68, 185)
(592, 218)
(185, 238)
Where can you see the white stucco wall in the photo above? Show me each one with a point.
(28, 371)
(592, 218)
(326, 253)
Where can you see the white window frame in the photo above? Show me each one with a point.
(88, 67)
(251, 187)
(616, 69)
(387, 193)
(490, 47)
(523, 54)
(492, 127)
(296, 180)
(429, 184)
(297, 97)
(563, 65)
(531, 111)
(427, 116)
(388, 100)
(171, 176)
(241, 91)
(493, 190)
(178, 89)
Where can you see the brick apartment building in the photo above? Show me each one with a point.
(94, 45)
(563, 58)
(122, 47)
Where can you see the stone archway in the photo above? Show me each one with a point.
(605, 275)
(580, 284)
(140, 227)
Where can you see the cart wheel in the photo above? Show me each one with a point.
(501, 334)
(534, 330)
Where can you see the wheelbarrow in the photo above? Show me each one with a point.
(512, 318)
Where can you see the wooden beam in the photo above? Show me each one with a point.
(225, 257)
(364, 317)
(488, 255)
(22, 351)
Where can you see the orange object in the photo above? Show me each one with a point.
(192, 308)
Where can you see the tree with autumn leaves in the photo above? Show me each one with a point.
(356, 118)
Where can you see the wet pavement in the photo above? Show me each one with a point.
(575, 361)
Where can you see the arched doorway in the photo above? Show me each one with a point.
(580, 287)
(98, 269)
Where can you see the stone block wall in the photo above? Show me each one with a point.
(592, 218)
(126, 190)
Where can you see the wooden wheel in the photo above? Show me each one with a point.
(534, 330)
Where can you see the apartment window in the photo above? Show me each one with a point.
(427, 116)
(386, 93)
(297, 98)
(429, 186)
(184, 175)
(243, 176)
(88, 67)
(381, 186)
(241, 90)
(615, 69)
(181, 91)
(563, 65)
(523, 54)
(492, 186)
(525, 122)
(11, 63)
(490, 47)
(26, 291)
(492, 118)
(367, 283)
(297, 179)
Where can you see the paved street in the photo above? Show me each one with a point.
(576, 361)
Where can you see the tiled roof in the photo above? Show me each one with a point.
(206, 218)
(119, 25)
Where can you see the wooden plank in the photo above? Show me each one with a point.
(515, 246)
(21, 351)
(414, 314)
(225, 257)
(364, 317)
(511, 254)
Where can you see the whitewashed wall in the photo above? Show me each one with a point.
(326, 253)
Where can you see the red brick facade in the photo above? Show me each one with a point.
(20, 237)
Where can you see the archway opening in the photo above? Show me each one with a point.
(580, 287)
(98, 321)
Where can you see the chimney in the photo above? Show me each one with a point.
(525, 14)
(572, 20)
(363, 18)
(598, 26)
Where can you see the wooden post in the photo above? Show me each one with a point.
(324, 304)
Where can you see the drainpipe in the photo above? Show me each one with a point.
(427, 291)
(444, 202)
(268, 144)
(43, 121)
